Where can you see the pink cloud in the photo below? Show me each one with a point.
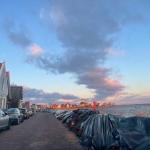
(65, 100)
(112, 83)
(100, 80)
(71, 101)
(35, 50)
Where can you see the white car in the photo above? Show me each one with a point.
(4, 120)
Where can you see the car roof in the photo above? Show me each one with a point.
(22, 108)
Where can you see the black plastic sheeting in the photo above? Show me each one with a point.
(99, 132)
(107, 132)
(135, 131)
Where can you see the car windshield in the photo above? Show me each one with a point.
(12, 110)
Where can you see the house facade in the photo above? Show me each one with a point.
(4, 86)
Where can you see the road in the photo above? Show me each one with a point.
(41, 132)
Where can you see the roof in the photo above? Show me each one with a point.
(1, 65)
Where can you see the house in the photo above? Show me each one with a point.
(27, 105)
(16, 96)
(5, 93)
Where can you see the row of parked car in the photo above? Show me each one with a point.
(13, 116)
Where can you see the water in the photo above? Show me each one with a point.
(129, 110)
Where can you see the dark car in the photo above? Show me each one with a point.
(4, 120)
(15, 115)
(25, 113)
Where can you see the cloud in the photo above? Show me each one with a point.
(99, 80)
(133, 99)
(71, 101)
(86, 30)
(115, 52)
(18, 35)
(39, 96)
(124, 98)
(35, 50)
(36, 95)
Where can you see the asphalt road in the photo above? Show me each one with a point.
(41, 132)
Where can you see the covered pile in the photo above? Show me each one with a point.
(107, 132)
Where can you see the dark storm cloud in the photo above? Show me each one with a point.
(41, 96)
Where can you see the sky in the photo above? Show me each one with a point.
(63, 50)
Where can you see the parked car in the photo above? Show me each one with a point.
(33, 111)
(30, 113)
(15, 115)
(4, 120)
(5, 111)
(25, 113)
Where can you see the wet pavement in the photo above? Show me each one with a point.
(41, 132)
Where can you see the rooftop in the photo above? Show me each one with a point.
(1, 65)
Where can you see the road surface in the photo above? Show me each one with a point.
(41, 132)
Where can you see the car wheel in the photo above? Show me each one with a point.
(18, 122)
(9, 124)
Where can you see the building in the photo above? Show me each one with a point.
(16, 96)
(34, 108)
(26, 105)
(5, 93)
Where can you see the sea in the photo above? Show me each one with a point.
(142, 110)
